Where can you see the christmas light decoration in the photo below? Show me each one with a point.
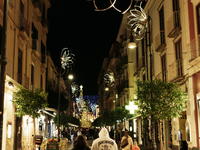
(109, 78)
(75, 89)
(67, 59)
(137, 21)
(112, 4)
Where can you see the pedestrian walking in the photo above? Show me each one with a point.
(95, 134)
(128, 144)
(111, 133)
(104, 141)
(135, 147)
(80, 143)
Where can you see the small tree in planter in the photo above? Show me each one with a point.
(160, 100)
(29, 103)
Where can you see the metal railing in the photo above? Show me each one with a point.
(160, 41)
(163, 76)
(174, 24)
(176, 69)
(193, 48)
(25, 81)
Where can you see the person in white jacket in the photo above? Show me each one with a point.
(104, 141)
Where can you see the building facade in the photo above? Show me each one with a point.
(168, 50)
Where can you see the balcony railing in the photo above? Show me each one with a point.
(162, 76)
(160, 41)
(24, 28)
(193, 49)
(19, 78)
(176, 70)
(9, 68)
(25, 81)
(141, 62)
(36, 47)
(174, 25)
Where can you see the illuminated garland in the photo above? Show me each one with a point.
(67, 59)
(109, 78)
(112, 5)
(137, 21)
(75, 89)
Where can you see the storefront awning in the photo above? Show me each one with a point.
(72, 125)
(44, 111)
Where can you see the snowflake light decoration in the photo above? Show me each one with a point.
(109, 78)
(112, 4)
(137, 21)
(67, 59)
(75, 89)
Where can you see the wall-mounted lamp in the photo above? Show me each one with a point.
(106, 88)
(132, 44)
(11, 85)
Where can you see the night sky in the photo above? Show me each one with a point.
(88, 33)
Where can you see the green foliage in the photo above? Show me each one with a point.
(65, 119)
(161, 100)
(110, 117)
(28, 102)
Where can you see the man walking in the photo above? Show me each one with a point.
(104, 141)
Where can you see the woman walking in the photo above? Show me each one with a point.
(129, 142)
(80, 143)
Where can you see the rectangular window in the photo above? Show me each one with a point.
(175, 5)
(164, 68)
(161, 15)
(21, 14)
(32, 77)
(198, 18)
(178, 49)
(19, 66)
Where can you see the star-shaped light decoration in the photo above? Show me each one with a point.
(137, 21)
(67, 59)
(109, 78)
(112, 4)
(75, 89)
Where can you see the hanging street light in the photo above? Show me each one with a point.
(67, 61)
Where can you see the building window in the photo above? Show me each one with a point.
(162, 26)
(19, 66)
(178, 49)
(21, 14)
(164, 68)
(175, 5)
(32, 77)
(198, 18)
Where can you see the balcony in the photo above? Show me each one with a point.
(24, 28)
(43, 64)
(25, 81)
(162, 76)
(176, 71)
(141, 62)
(160, 41)
(36, 47)
(135, 69)
(174, 25)
(193, 51)
(37, 7)
(9, 68)
(44, 25)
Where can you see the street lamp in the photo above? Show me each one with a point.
(67, 61)
(132, 44)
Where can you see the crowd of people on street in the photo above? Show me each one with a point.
(103, 139)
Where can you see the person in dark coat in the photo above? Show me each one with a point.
(95, 134)
(80, 143)
(111, 133)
